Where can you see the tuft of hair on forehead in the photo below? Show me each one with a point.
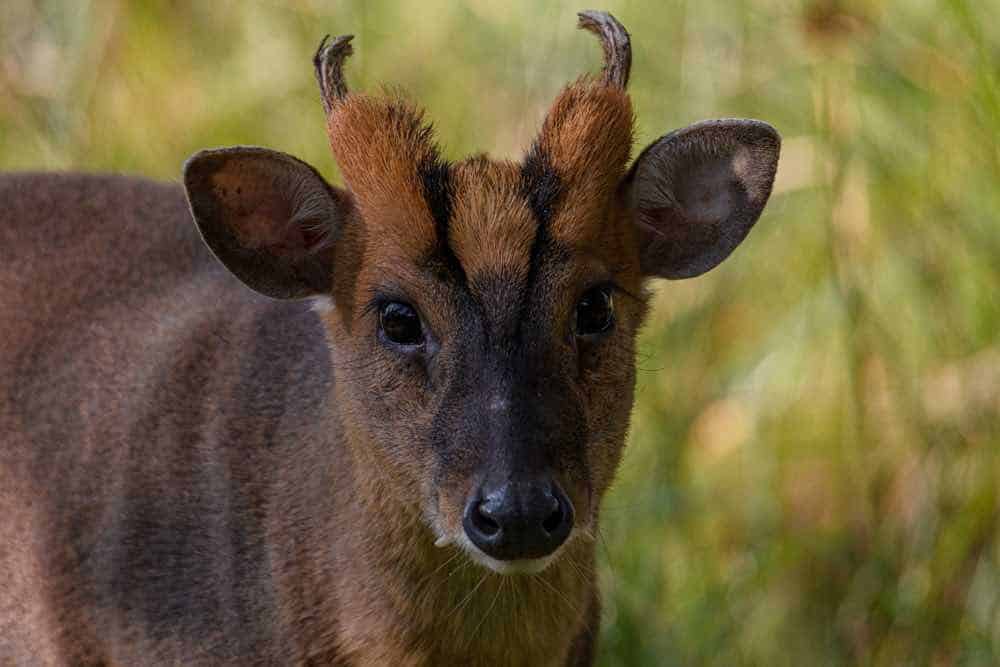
(585, 142)
(391, 164)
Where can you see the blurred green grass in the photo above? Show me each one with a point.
(813, 472)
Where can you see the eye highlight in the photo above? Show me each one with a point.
(400, 324)
(595, 312)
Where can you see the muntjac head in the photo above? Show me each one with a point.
(482, 314)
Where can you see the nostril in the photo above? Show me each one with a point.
(554, 520)
(483, 523)
(559, 522)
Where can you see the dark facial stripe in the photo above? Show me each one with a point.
(542, 187)
(436, 177)
(435, 174)
(540, 184)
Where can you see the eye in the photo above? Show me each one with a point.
(400, 323)
(595, 313)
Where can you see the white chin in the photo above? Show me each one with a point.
(520, 566)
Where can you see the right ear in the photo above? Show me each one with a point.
(270, 218)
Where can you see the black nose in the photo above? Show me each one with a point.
(518, 519)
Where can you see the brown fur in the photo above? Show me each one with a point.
(492, 228)
(379, 145)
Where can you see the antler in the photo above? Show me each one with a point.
(615, 41)
(329, 64)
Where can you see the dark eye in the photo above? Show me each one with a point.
(400, 323)
(595, 313)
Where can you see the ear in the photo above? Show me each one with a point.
(695, 193)
(270, 218)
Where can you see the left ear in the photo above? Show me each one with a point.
(695, 193)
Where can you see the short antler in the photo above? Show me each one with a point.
(329, 64)
(615, 41)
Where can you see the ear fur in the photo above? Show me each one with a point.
(696, 193)
(270, 218)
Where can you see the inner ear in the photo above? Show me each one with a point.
(270, 218)
(695, 194)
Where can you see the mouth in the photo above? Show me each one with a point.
(504, 567)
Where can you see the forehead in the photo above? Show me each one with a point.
(492, 229)
(507, 219)
(481, 217)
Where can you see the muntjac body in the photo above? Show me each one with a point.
(392, 448)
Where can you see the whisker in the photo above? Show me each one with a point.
(611, 564)
(440, 567)
(465, 600)
(472, 635)
(552, 587)
(458, 568)
(583, 575)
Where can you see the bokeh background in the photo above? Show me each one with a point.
(813, 476)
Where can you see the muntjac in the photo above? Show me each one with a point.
(392, 448)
